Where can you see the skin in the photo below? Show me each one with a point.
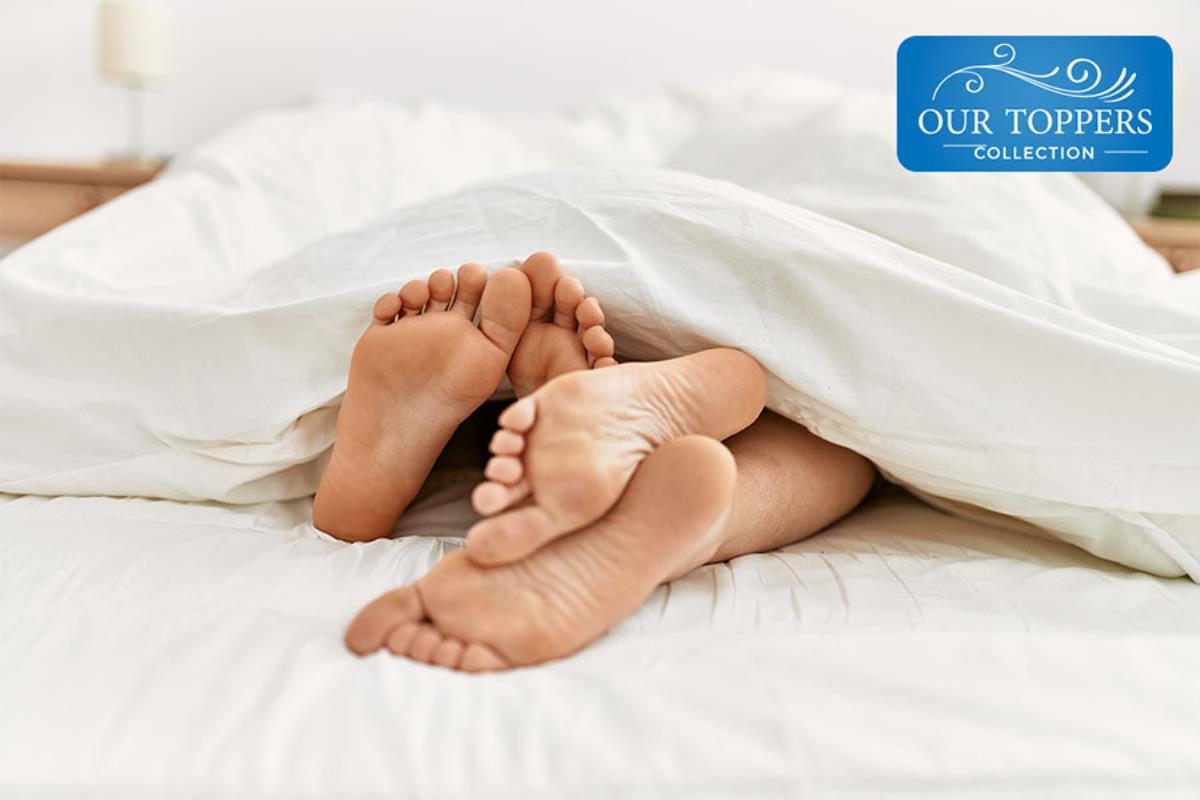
(790, 485)
(580, 437)
(424, 365)
(473, 618)
(604, 483)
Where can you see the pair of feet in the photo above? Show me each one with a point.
(564, 462)
(424, 365)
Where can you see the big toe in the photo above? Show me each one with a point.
(378, 619)
(492, 497)
(510, 536)
(543, 271)
(504, 308)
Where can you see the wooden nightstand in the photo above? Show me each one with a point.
(1178, 240)
(37, 197)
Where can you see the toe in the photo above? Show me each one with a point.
(504, 469)
(478, 657)
(510, 536)
(448, 653)
(567, 296)
(441, 289)
(589, 313)
(504, 308)
(491, 497)
(424, 644)
(543, 271)
(597, 342)
(372, 626)
(471, 280)
(401, 637)
(413, 297)
(506, 443)
(601, 363)
(519, 417)
(386, 309)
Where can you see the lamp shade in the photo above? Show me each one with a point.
(134, 41)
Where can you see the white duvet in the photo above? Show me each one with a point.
(1001, 344)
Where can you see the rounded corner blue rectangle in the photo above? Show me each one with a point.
(1034, 103)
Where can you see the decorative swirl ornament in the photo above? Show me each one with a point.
(1079, 70)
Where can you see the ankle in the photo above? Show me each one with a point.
(346, 509)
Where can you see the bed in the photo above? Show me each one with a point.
(189, 646)
(160, 649)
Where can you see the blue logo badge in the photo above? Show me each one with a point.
(1033, 103)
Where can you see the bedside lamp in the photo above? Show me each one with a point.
(134, 52)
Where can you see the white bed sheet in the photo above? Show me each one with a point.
(161, 649)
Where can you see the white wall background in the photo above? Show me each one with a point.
(233, 56)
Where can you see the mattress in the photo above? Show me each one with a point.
(165, 649)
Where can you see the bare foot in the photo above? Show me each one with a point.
(565, 332)
(565, 453)
(570, 592)
(417, 372)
